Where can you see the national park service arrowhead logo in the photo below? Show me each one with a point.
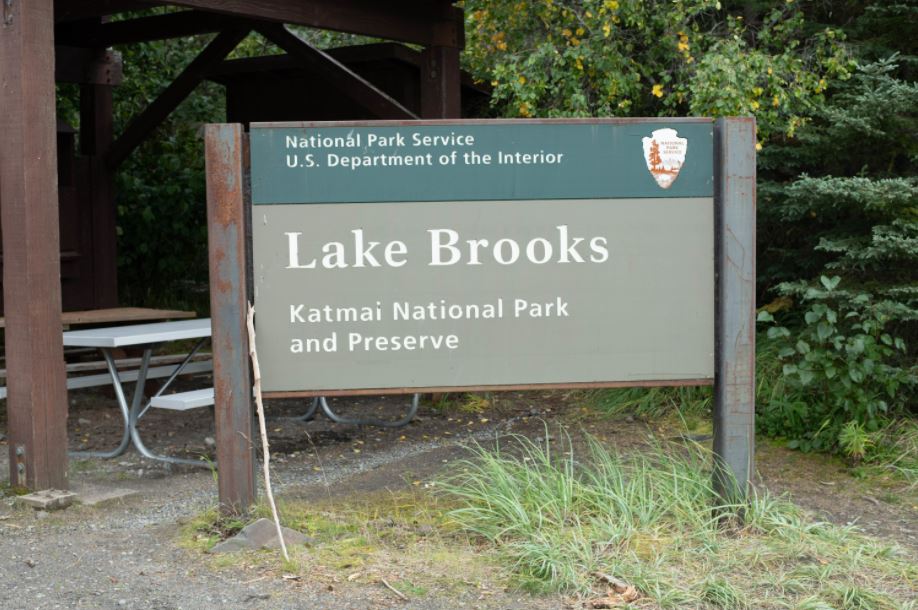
(664, 153)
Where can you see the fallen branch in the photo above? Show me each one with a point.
(625, 592)
(260, 409)
(401, 595)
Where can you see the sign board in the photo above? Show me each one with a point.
(483, 254)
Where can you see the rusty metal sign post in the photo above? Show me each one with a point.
(398, 257)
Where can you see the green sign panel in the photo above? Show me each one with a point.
(474, 162)
(483, 254)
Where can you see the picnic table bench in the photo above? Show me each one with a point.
(194, 399)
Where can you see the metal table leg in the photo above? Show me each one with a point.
(310, 412)
(125, 413)
(136, 413)
(372, 421)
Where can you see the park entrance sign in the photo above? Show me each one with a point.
(396, 257)
(483, 254)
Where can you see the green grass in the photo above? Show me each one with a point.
(651, 519)
(651, 402)
(894, 449)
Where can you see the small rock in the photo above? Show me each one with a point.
(30, 562)
(209, 441)
(261, 534)
(83, 421)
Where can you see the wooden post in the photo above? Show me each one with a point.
(440, 83)
(36, 387)
(96, 124)
(226, 228)
(734, 376)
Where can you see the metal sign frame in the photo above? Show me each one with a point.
(229, 230)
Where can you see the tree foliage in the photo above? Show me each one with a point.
(652, 58)
(842, 197)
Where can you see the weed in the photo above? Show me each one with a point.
(14, 490)
(721, 593)
(208, 528)
(476, 403)
(854, 440)
(896, 450)
(852, 597)
(405, 586)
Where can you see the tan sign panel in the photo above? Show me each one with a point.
(484, 293)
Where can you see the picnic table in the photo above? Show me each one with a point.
(147, 337)
(115, 315)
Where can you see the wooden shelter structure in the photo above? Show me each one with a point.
(58, 219)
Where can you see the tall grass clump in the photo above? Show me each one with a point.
(559, 521)
(652, 402)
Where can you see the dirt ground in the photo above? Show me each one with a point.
(126, 554)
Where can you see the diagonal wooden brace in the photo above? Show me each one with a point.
(180, 88)
(346, 80)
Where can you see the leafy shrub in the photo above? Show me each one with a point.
(844, 374)
(653, 58)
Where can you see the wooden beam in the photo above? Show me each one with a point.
(37, 394)
(148, 120)
(441, 83)
(89, 66)
(143, 29)
(74, 10)
(350, 56)
(226, 232)
(421, 22)
(343, 78)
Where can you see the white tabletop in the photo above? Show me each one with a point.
(138, 334)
